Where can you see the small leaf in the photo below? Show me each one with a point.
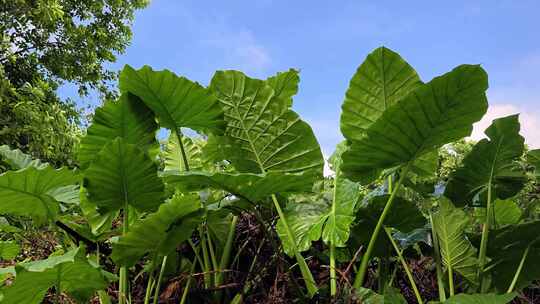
(159, 232)
(457, 251)
(77, 277)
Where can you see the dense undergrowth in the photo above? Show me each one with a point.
(233, 207)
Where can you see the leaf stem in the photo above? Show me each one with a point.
(123, 284)
(435, 240)
(226, 251)
(405, 266)
(518, 270)
(484, 241)
(149, 287)
(160, 277)
(206, 259)
(179, 136)
(304, 269)
(360, 276)
(333, 286)
(188, 283)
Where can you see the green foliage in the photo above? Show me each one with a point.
(491, 163)
(71, 272)
(434, 114)
(9, 250)
(481, 299)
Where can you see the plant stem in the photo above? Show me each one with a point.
(226, 251)
(333, 286)
(182, 149)
(149, 287)
(123, 288)
(206, 259)
(196, 252)
(450, 280)
(360, 276)
(160, 277)
(484, 241)
(188, 283)
(304, 269)
(438, 265)
(58, 285)
(518, 270)
(405, 266)
(213, 258)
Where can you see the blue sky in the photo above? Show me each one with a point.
(327, 40)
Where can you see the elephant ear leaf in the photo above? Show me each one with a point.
(488, 298)
(491, 163)
(127, 118)
(177, 101)
(160, 232)
(16, 159)
(508, 248)
(430, 116)
(77, 277)
(27, 192)
(533, 158)
(250, 186)
(382, 80)
(458, 254)
(172, 154)
(285, 85)
(122, 174)
(267, 135)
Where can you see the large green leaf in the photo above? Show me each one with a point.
(16, 159)
(27, 192)
(77, 277)
(127, 118)
(404, 216)
(533, 158)
(159, 233)
(98, 222)
(120, 174)
(285, 85)
(382, 80)
(391, 296)
(253, 187)
(266, 136)
(492, 162)
(506, 212)
(488, 298)
(457, 252)
(506, 248)
(176, 101)
(432, 115)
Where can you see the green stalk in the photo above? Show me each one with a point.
(149, 287)
(58, 285)
(518, 270)
(206, 259)
(333, 287)
(223, 263)
(196, 252)
(123, 285)
(160, 277)
(450, 280)
(405, 266)
(188, 283)
(213, 258)
(304, 269)
(360, 276)
(484, 241)
(438, 265)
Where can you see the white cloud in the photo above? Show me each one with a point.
(529, 120)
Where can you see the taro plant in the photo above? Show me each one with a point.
(139, 208)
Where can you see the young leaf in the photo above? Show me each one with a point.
(159, 233)
(253, 187)
(267, 136)
(76, 276)
(127, 118)
(458, 254)
(122, 174)
(16, 159)
(492, 163)
(382, 80)
(176, 101)
(27, 192)
(432, 115)
(285, 85)
(488, 298)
